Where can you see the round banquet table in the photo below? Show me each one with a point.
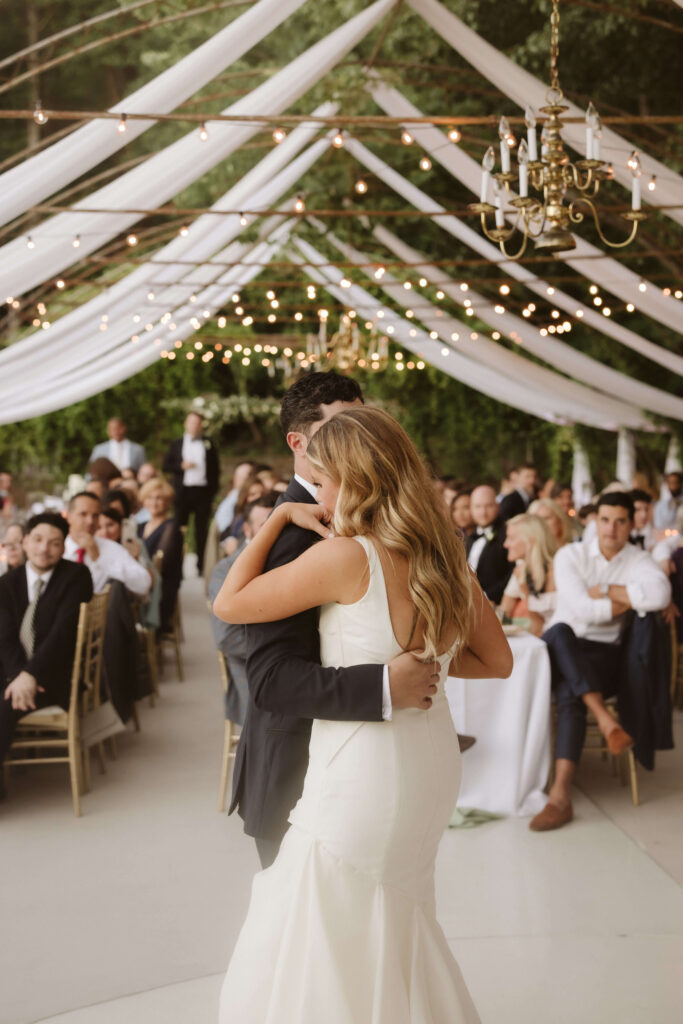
(506, 770)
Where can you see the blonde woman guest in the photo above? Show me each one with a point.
(531, 546)
(555, 518)
(162, 533)
(358, 858)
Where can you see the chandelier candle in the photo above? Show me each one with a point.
(504, 132)
(530, 121)
(487, 166)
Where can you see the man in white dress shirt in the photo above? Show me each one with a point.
(193, 462)
(597, 584)
(118, 449)
(106, 559)
(667, 507)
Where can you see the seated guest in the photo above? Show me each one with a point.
(225, 513)
(12, 548)
(461, 513)
(643, 532)
(597, 584)
(666, 508)
(118, 449)
(562, 496)
(531, 546)
(586, 515)
(517, 502)
(557, 521)
(508, 484)
(231, 639)
(485, 552)
(251, 490)
(111, 525)
(7, 502)
(162, 533)
(106, 559)
(39, 608)
(146, 472)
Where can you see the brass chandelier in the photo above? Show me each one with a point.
(546, 219)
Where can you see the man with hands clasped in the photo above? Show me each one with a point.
(39, 606)
(288, 687)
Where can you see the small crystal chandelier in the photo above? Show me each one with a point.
(348, 347)
(546, 219)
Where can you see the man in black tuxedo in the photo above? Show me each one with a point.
(485, 551)
(518, 501)
(39, 606)
(193, 463)
(288, 687)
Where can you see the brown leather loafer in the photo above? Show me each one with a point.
(619, 741)
(465, 742)
(551, 817)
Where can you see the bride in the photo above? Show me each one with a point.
(342, 928)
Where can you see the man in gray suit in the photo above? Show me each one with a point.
(232, 640)
(118, 449)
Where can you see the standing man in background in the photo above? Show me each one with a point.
(192, 460)
(118, 449)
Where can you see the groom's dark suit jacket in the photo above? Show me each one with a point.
(493, 570)
(288, 688)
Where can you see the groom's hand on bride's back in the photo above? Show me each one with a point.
(412, 683)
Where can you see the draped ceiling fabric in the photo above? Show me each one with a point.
(570, 399)
(583, 488)
(72, 335)
(523, 88)
(626, 457)
(495, 382)
(550, 348)
(604, 271)
(45, 173)
(168, 172)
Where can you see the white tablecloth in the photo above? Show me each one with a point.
(507, 768)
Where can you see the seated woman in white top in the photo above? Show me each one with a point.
(531, 546)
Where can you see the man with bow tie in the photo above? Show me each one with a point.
(643, 532)
(485, 552)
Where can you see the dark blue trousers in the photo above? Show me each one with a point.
(578, 666)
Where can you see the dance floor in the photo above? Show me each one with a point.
(129, 913)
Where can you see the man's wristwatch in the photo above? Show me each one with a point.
(604, 589)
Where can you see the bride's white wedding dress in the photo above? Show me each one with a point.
(342, 928)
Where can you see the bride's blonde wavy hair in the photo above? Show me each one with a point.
(385, 492)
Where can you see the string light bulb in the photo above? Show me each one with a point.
(361, 186)
(406, 138)
(338, 140)
(122, 126)
(279, 135)
(132, 239)
(454, 135)
(299, 204)
(39, 115)
(425, 164)
(244, 220)
(60, 284)
(30, 244)
(504, 289)
(76, 242)
(184, 231)
(652, 183)
(203, 133)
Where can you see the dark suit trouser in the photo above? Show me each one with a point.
(578, 667)
(268, 850)
(9, 717)
(197, 501)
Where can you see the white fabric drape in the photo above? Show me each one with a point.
(71, 338)
(45, 173)
(572, 400)
(174, 168)
(608, 273)
(523, 88)
(551, 349)
(673, 462)
(482, 378)
(582, 482)
(626, 458)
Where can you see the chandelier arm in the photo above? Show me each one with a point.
(497, 234)
(522, 249)
(576, 217)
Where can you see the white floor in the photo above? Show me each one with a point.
(129, 913)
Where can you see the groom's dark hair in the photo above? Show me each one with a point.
(301, 404)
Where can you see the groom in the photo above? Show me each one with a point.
(288, 687)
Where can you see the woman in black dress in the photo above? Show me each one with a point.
(162, 533)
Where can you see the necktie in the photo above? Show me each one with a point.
(27, 631)
(80, 555)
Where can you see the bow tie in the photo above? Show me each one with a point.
(639, 541)
(485, 531)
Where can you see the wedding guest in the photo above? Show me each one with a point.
(531, 546)
(231, 639)
(112, 524)
(485, 552)
(39, 608)
(146, 472)
(251, 490)
(586, 515)
(665, 510)
(643, 532)
(101, 472)
(106, 559)
(517, 502)
(161, 533)
(118, 449)
(461, 513)
(7, 501)
(225, 513)
(193, 462)
(597, 584)
(508, 484)
(558, 522)
(12, 548)
(563, 497)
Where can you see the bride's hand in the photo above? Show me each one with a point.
(309, 517)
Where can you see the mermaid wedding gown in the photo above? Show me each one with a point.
(342, 928)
